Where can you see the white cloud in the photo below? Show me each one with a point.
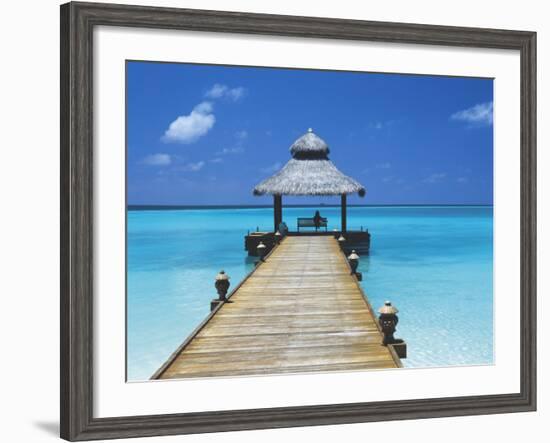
(238, 148)
(385, 165)
(235, 150)
(189, 128)
(462, 179)
(478, 115)
(272, 168)
(157, 160)
(193, 167)
(204, 108)
(216, 91)
(236, 94)
(435, 178)
(241, 135)
(378, 125)
(216, 160)
(224, 91)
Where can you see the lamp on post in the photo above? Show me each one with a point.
(222, 286)
(261, 250)
(278, 237)
(353, 260)
(341, 241)
(388, 321)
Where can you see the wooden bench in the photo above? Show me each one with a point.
(309, 222)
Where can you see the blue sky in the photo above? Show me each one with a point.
(201, 134)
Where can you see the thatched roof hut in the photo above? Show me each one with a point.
(309, 172)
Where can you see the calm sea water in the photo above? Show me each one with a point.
(434, 263)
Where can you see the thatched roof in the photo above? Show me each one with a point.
(309, 143)
(309, 172)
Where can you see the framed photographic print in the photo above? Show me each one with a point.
(272, 221)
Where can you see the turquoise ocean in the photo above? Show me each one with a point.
(435, 263)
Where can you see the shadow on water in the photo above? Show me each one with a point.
(365, 263)
(250, 261)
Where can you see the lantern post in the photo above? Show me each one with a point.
(222, 286)
(388, 321)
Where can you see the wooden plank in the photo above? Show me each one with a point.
(300, 311)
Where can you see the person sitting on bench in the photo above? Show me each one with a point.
(317, 219)
(312, 222)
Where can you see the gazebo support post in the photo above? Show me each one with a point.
(344, 205)
(277, 211)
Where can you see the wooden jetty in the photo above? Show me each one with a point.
(301, 310)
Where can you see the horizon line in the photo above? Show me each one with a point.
(137, 207)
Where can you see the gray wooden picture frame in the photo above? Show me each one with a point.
(77, 23)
